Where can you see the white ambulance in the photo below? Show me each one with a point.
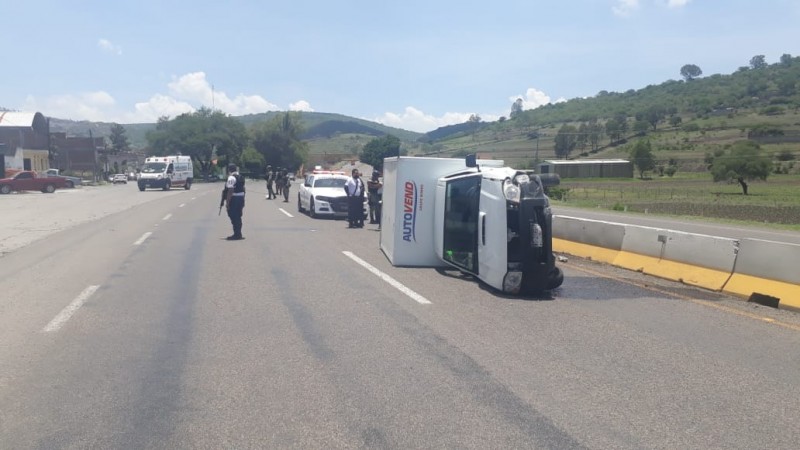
(164, 172)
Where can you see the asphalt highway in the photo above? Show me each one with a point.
(142, 327)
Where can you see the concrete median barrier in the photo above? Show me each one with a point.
(693, 259)
(590, 239)
(767, 268)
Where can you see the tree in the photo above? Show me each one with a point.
(642, 157)
(758, 62)
(786, 59)
(675, 120)
(379, 148)
(612, 130)
(203, 135)
(252, 161)
(474, 122)
(690, 71)
(118, 138)
(516, 109)
(654, 115)
(641, 126)
(278, 140)
(744, 161)
(566, 140)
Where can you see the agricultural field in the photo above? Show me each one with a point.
(775, 201)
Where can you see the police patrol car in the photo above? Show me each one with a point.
(323, 194)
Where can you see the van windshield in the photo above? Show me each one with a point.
(461, 208)
(154, 167)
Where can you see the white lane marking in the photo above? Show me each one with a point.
(396, 284)
(143, 238)
(167, 216)
(285, 212)
(194, 198)
(182, 205)
(62, 317)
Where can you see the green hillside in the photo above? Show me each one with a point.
(684, 120)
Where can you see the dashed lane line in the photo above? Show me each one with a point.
(144, 237)
(394, 283)
(65, 314)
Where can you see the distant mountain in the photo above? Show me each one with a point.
(316, 125)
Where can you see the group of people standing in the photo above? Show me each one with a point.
(355, 198)
(278, 183)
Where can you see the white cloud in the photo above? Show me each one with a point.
(85, 106)
(301, 105)
(415, 120)
(534, 98)
(677, 3)
(193, 88)
(108, 47)
(625, 8)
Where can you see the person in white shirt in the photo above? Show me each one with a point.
(355, 200)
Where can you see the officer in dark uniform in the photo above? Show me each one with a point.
(270, 181)
(375, 191)
(287, 183)
(279, 182)
(234, 194)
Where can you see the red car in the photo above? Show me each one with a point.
(29, 181)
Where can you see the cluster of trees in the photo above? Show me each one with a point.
(211, 136)
(214, 138)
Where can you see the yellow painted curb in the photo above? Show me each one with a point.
(587, 251)
(746, 285)
(711, 279)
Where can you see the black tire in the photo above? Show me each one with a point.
(141, 187)
(49, 188)
(555, 278)
(167, 185)
(311, 211)
(5, 189)
(70, 184)
(188, 184)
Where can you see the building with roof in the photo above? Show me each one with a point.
(588, 168)
(24, 141)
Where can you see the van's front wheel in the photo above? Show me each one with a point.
(167, 185)
(188, 184)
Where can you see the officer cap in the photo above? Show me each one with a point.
(231, 167)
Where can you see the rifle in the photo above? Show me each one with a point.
(222, 200)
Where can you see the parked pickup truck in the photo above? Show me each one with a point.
(29, 181)
(71, 181)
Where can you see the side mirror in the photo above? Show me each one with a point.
(471, 160)
(550, 179)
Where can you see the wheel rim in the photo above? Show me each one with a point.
(5, 189)
(50, 188)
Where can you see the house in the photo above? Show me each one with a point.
(24, 141)
(588, 168)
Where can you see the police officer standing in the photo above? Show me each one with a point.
(287, 183)
(355, 200)
(270, 180)
(375, 192)
(234, 194)
(278, 182)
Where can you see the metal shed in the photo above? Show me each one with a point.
(588, 168)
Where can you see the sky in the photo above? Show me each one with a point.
(411, 64)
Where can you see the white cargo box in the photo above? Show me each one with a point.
(407, 217)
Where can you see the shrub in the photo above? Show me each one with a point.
(691, 127)
(774, 110)
(785, 155)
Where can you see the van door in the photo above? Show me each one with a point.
(460, 234)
